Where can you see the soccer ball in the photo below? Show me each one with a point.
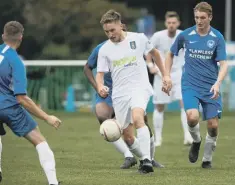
(111, 130)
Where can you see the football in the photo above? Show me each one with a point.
(111, 130)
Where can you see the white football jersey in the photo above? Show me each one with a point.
(125, 61)
(163, 43)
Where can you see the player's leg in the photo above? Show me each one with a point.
(191, 103)
(45, 154)
(210, 142)
(188, 140)
(123, 115)
(23, 125)
(152, 145)
(158, 117)
(104, 111)
(2, 133)
(138, 106)
(176, 94)
(123, 112)
(194, 129)
(159, 100)
(143, 136)
(212, 113)
(131, 141)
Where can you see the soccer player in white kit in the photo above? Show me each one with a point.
(122, 55)
(163, 40)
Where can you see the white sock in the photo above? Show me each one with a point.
(184, 123)
(158, 124)
(47, 161)
(152, 148)
(209, 147)
(135, 148)
(121, 146)
(0, 154)
(144, 140)
(195, 133)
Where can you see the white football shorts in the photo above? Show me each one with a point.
(124, 105)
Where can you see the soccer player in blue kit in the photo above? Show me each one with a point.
(15, 105)
(201, 79)
(104, 110)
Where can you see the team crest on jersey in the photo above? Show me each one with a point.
(132, 45)
(210, 43)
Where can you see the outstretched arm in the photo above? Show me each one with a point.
(20, 86)
(101, 89)
(88, 73)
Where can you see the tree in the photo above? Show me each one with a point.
(69, 29)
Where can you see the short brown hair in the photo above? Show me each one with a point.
(110, 16)
(204, 7)
(170, 14)
(12, 31)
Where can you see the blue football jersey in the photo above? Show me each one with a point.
(12, 77)
(92, 63)
(202, 53)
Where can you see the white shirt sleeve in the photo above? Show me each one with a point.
(148, 46)
(155, 40)
(102, 62)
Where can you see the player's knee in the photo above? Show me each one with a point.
(102, 116)
(160, 107)
(213, 123)
(192, 118)
(101, 119)
(138, 121)
(35, 137)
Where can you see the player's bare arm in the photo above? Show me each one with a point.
(88, 72)
(222, 73)
(158, 60)
(101, 89)
(152, 68)
(167, 83)
(28, 104)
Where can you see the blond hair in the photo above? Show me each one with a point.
(12, 31)
(110, 16)
(204, 7)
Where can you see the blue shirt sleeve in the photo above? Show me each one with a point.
(18, 75)
(92, 59)
(178, 44)
(221, 50)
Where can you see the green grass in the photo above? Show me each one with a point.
(84, 158)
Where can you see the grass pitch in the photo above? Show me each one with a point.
(84, 158)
